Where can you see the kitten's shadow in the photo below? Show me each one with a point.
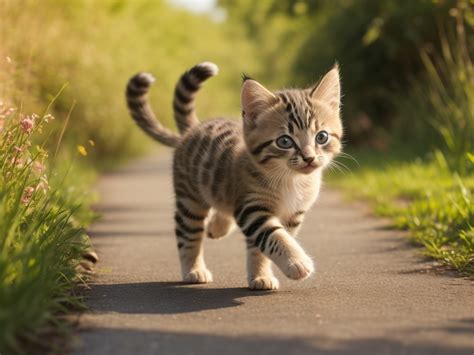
(166, 297)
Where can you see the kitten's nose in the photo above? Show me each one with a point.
(308, 160)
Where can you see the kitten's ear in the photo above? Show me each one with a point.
(328, 90)
(255, 98)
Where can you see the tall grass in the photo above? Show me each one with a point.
(451, 98)
(438, 114)
(41, 241)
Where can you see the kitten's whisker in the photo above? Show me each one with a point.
(340, 167)
(348, 156)
(331, 168)
(334, 167)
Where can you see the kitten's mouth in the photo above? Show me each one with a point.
(307, 169)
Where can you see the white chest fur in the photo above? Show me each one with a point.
(299, 194)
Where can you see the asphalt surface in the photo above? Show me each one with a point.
(372, 292)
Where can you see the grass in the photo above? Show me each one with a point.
(423, 197)
(42, 214)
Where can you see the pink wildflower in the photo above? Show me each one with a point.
(27, 124)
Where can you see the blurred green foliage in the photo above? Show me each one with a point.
(95, 47)
(438, 113)
(378, 45)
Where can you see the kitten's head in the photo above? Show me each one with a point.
(298, 130)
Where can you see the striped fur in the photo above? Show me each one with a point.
(185, 93)
(183, 103)
(226, 174)
(141, 112)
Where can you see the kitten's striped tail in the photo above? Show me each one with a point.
(185, 93)
(137, 101)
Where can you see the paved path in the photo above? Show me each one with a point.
(371, 293)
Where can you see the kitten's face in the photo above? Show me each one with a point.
(295, 130)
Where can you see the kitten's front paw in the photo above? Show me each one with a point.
(264, 283)
(298, 269)
(198, 276)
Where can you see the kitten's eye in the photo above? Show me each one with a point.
(285, 142)
(322, 137)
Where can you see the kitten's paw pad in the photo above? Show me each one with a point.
(264, 283)
(198, 276)
(299, 269)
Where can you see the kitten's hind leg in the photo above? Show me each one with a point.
(189, 219)
(259, 271)
(219, 225)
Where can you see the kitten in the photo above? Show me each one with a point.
(263, 173)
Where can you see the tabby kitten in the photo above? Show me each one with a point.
(263, 174)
